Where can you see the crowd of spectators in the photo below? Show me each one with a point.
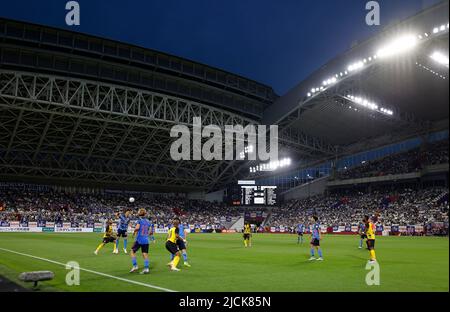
(395, 207)
(400, 207)
(407, 162)
(57, 206)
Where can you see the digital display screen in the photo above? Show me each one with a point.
(258, 195)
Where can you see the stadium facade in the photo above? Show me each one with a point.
(83, 110)
(364, 105)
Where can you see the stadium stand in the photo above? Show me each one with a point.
(32, 205)
(398, 206)
(406, 162)
(83, 111)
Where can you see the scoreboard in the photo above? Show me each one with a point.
(258, 195)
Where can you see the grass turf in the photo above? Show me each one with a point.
(221, 263)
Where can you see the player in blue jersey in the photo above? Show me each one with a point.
(182, 243)
(152, 233)
(362, 233)
(316, 237)
(300, 231)
(141, 232)
(122, 230)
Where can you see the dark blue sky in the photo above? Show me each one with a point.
(276, 42)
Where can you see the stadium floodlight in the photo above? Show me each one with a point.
(330, 81)
(439, 29)
(397, 46)
(440, 58)
(355, 66)
(247, 150)
(272, 166)
(386, 111)
(367, 104)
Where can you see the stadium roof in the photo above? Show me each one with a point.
(35, 47)
(78, 109)
(86, 110)
(410, 84)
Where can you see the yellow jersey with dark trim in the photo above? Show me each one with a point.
(108, 231)
(370, 231)
(247, 229)
(172, 234)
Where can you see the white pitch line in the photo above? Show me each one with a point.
(91, 271)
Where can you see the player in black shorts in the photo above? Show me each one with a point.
(108, 237)
(247, 235)
(171, 245)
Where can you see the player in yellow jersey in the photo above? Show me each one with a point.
(247, 235)
(171, 244)
(108, 237)
(370, 234)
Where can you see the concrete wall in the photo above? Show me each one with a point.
(434, 169)
(211, 197)
(387, 178)
(215, 196)
(316, 187)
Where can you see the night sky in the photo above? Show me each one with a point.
(276, 42)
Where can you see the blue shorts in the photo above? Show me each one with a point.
(315, 242)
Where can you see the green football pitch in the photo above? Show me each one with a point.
(220, 263)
